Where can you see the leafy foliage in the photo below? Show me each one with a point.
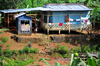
(7, 53)
(91, 61)
(62, 49)
(4, 39)
(11, 62)
(42, 59)
(26, 50)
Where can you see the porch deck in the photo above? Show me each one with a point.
(68, 26)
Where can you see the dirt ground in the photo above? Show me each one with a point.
(13, 45)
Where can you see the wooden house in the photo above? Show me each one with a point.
(23, 24)
(59, 16)
(66, 16)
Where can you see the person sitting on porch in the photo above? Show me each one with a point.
(35, 28)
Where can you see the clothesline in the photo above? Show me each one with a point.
(65, 14)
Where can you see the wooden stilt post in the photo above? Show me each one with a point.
(59, 32)
(48, 31)
(8, 20)
(47, 23)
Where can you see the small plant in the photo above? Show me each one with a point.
(52, 50)
(88, 48)
(20, 51)
(26, 50)
(7, 46)
(62, 49)
(67, 42)
(49, 41)
(14, 51)
(36, 50)
(29, 45)
(84, 49)
(65, 55)
(4, 39)
(76, 50)
(1, 52)
(31, 50)
(7, 53)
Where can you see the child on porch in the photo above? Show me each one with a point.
(35, 28)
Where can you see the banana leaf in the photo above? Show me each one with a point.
(57, 64)
(42, 59)
(90, 61)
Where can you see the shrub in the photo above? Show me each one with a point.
(1, 52)
(26, 50)
(20, 51)
(62, 49)
(84, 49)
(7, 53)
(76, 49)
(88, 48)
(31, 50)
(58, 54)
(65, 56)
(4, 39)
(36, 50)
(14, 51)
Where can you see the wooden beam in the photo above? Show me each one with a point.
(8, 20)
(41, 21)
(47, 22)
(35, 16)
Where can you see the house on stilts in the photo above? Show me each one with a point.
(58, 16)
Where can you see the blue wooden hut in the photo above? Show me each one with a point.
(23, 24)
(66, 16)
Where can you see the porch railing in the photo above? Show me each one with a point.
(67, 26)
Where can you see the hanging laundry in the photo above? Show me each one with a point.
(60, 24)
(71, 19)
(64, 23)
(78, 19)
(50, 23)
(74, 20)
(76, 23)
(66, 18)
(86, 20)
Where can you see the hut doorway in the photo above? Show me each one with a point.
(25, 25)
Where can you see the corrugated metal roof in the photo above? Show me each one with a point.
(20, 10)
(67, 7)
(18, 15)
(53, 7)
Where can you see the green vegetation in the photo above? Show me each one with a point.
(11, 62)
(4, 39)
(8, 55)
(91, 61)
(29, 50)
